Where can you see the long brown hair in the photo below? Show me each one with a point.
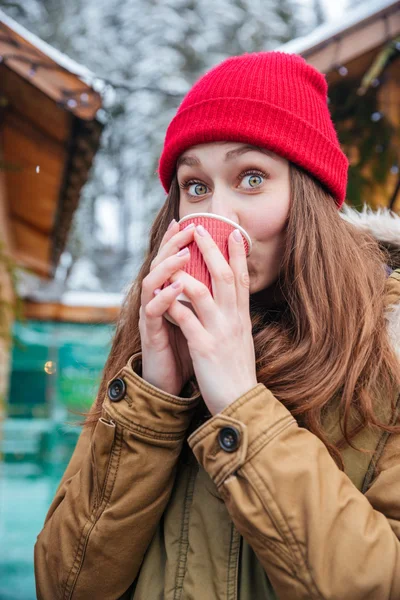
(328, 343)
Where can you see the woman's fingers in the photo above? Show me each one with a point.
(171, 231)
(162, 273)
(200, 296)
(171, 258)
(161, 302)
(238, 264)
(222, 276)
(172, 243)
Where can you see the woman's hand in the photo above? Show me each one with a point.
(166, 361)
(220, 338)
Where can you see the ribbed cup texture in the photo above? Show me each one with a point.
(220, 232)
(270, 99)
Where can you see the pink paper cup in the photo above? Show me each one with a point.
(220, 229)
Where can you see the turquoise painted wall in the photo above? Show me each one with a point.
(55, 372)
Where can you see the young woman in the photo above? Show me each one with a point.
(251, 451)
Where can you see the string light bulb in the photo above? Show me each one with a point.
(50, 367)
(376, 116)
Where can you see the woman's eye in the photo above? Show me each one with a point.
(193, 187)
(196, 189)
(254, 178)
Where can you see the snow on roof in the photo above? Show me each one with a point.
(335, 27)
(58, 57)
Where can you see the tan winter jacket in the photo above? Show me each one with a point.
(247, 505)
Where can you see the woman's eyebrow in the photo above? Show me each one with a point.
(193, 161)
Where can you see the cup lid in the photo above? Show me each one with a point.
(219, 218)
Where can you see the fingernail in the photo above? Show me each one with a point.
(237, 235)
(176, 285)
(171, 224)
(183, 252)
(201, 231)
(157, 291)
(190, 226)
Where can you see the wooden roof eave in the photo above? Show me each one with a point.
(84, 143)
(56, 311)
(332, 45)
(76, 97)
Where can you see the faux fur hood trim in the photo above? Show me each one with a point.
(382, 223)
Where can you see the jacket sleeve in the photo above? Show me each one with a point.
(112, 494)
(316, 535)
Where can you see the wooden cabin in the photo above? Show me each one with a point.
(361, 60)
(49, 134)
(76, 307)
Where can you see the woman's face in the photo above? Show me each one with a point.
(250, 186)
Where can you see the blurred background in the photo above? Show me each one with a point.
(87, 89)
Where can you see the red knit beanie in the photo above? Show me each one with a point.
(270, 99)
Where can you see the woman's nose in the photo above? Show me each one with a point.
(222, 206)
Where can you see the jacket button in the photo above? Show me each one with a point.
(229, 438)
(116, 390)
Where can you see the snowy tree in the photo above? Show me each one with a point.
(149, 52)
